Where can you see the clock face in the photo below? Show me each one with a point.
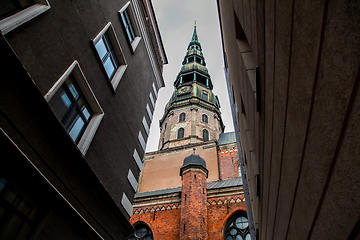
(184, 89)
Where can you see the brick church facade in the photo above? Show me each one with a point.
(190, 188)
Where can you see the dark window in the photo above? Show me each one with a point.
(182, 117)
(205, 134)
(142, 232)
(204, 118)
(71, 108)
(107, 55)
(18, 214)
(180, 133)
(238, 229)
(10, 7)
(127, 24)
(205, 95)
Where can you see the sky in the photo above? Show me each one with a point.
(176, 20)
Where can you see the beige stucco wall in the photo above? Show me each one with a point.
(162, 169)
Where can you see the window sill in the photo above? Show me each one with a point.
(10, 23)
(117, 76)
(135, 43)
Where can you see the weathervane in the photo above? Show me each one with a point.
(195, 24)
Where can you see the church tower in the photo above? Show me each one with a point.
(192, 114)
(183, 195)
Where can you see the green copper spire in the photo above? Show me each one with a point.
(194, 37)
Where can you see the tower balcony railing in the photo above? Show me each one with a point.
(194, 66)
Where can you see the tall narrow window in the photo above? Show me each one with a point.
(128, 26)
(204, 118)
(128, 19)
(182, 117)
(71, 108)
(109, 51)
(180, 133)
(205, 134)
(238, 229)
(76, 107)
(107, 54)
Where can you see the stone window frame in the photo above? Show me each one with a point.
(182, 117)
(204, 118)
(17, 19)
(180, 133)
(115, 79)
(89, 95)
(232, 228)
(132, 17)
(205, 135)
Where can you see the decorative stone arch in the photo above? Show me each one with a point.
(229, 217)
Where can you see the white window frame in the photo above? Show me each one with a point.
(10, 23)
(128, 6)
(98, 115)
(115, 80)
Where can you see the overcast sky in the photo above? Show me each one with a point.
(176, 23)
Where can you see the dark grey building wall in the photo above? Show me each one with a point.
(93, 183)
(300, 140)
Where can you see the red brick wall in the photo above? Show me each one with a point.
(219, 211)
(229, 162)
(164, 220)
(164, 224)
(193, 221)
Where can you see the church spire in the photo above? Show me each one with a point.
(194, 37)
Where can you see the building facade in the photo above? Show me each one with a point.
(74, 118)
(190, 188)
(293, 76)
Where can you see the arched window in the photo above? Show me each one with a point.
(180, 133)
(204, 118)
(182, 117)
(205, 134)
(238, 228)
(142, 232)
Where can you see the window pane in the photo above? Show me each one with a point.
(85, 108)
(73, 91)
(60, 103)
(109, 67)
(141, 232)
(238, 237)
(247, 237)
(76, 129)
(228, 237)
(241, 222)
(101, 48)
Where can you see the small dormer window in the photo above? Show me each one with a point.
(182, 117)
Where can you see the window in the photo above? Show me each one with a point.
(238, 229)
(74, 104)
(130, 25)
(142, 232)
(18, 213)
(205, 95)
(204, 118)
(110, 54)
(205, 134)
(180, 133)
(14, 13)
(182, 117)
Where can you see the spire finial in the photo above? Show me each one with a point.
(194, 150)
(195, 24)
